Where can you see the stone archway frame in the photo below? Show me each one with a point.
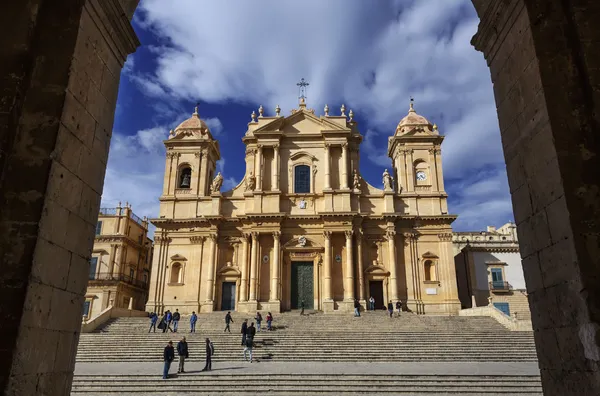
(312, 251)
(302, 158)
(378, 273)
(228, 274)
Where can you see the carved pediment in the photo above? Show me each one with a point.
(376, 269)
(229, 271)
(429, 255)
(302, 242)
(178, 257)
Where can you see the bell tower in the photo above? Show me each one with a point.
(415, 150)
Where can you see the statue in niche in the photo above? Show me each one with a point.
(215, 187)
(387, 180)
(185, 181)
(302, 204)
(302, 241)
(356, 181)
(250, 182)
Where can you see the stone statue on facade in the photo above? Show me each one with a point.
(215, 187)
(250, 182)
(387, 180)
(356, 181)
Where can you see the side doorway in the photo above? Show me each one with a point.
(376, 291)
(228, 296)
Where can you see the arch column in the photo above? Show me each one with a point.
(360, 267)
(258, 168)
(327, 267)
(344, 184)
(327, 169)
(244, 269)
(275, 168)
(210, 270)
(349, 272)
(275, 267)
(253, 267)
(391, 237)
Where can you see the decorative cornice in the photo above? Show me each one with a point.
(445, 237)
(197, 239)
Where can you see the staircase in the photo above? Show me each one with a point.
(321, 338)
(294, 384)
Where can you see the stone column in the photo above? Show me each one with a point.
(118, 260)
(327, 296)
(349, 272)
(391, 237)
(275, 171)
(111, 258)
(344, 183)
(438, 169)
(433, 173)
(258, 168)
(327, 172)
(275, 267)
(410, 171)
(203, 173)
(244, 270)
(253, 266)
(359, 266)
(198, 156)
(168, 181)
(210, 269)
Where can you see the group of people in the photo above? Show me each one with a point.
(258, 318)
(184, 353)
(171, 318)
(390, 306)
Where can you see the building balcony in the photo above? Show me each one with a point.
(500, 286)
(107, 277)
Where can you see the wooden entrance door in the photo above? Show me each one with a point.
(228, 296)
(302, 284)
(376, 291)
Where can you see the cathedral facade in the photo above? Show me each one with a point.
(303, 227)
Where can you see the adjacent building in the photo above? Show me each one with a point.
(120, 265)
(488, 265)
(303, 225)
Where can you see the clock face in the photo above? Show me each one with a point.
(421, 176)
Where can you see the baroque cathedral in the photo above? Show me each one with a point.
(303, 227)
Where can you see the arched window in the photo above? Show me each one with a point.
(176, 273)
(302, 179)
(185, 177)
(429, 270)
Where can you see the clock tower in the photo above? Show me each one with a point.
(415, 150)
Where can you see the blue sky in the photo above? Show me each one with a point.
(232, 56)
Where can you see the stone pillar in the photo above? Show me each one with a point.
(130, 306)
(253, 266)
(438, 169)
(275, 171)
(198, 156)
(344, 183)
(168, 181)
(258, 168)
(433, 170)
(410, 170)
(111, 258)
(244, 270)
(327, 296)
(203, 189)
(544, 64)
(275, 267)
(327, 172)
(359, 267)
(210, 269)
(349, 272)
(391, 237)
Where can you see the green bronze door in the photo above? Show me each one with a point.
(302, 284)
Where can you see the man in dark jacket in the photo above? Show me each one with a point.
(356, 308)
(193, 320)
(182, 351)
(228, 320)
(153, 320)
(176, 317)
(249, 344)
(244, 329)
(391, 308)
(168, 356)
(209, 352)
(168, 319)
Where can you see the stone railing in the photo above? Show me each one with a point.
(510, 323)
(89, 325)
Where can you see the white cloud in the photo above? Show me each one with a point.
(370, 58)
(215, 125)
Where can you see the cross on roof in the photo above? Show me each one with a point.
(302, 88)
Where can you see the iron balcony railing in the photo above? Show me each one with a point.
(115, 212)
(107, 276)
(500, 285)
(108, 211)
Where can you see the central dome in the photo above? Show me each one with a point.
(411, 120)
(194, 122)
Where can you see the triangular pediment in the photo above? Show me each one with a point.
(300, 122)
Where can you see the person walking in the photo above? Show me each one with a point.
(258, 319)
(302, 307)
(228, 320)
(163, 323)
(269, 321)
(153, 320)
(168, 356)
(249, 341)
(356, 308)
(168, 320)
(399, 307)
(182, 351)
(244, 329)
(210, 351)
(193, 320)
(391, 308)
(372, 303)
(176, 318)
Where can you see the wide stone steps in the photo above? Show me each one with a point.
(310, 384)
